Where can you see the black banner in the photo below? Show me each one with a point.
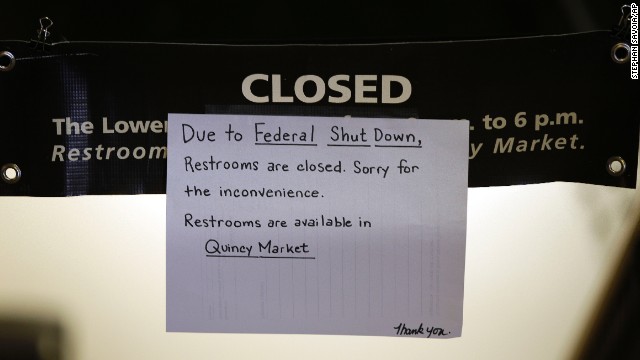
(90, 118)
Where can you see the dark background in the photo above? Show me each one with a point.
(259, 22)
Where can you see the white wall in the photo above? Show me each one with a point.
(537, 258)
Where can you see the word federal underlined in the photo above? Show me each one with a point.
(341, 145)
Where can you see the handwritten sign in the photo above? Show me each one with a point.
(316, 225)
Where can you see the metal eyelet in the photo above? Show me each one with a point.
(621, 53)
(7, 61)
(616, 166)
(10, 173)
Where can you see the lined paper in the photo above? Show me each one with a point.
(311, 225)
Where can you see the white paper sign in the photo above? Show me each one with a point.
(316, 225)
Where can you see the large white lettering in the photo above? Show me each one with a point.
(337, 89)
